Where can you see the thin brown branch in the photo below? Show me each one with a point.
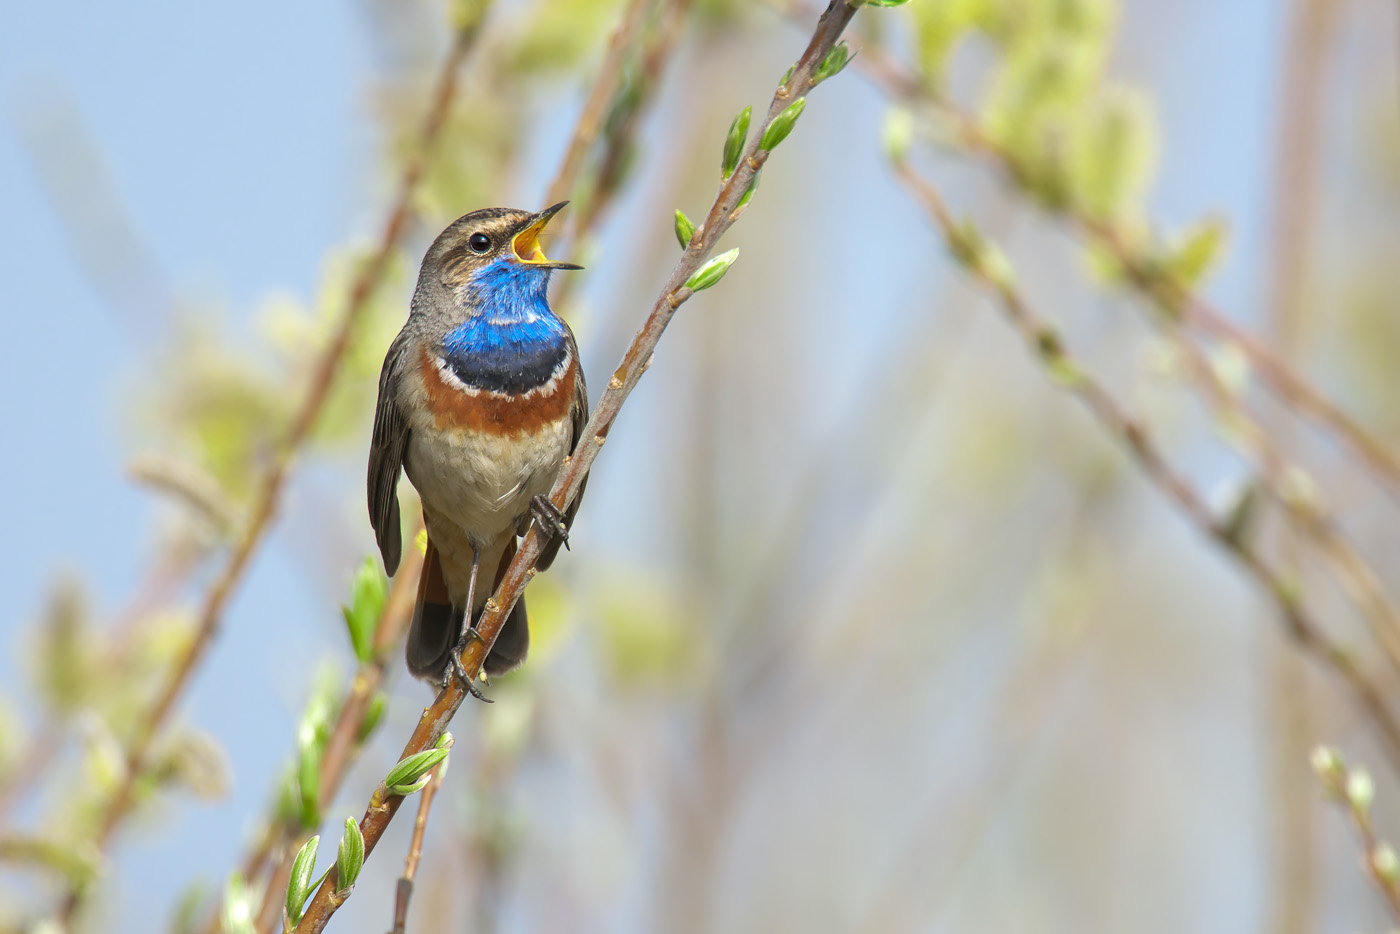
(635, 361)
(1353, 789)
(404, 892)
(1294, 885)
(1045, 343)
(655, 54)
(269, 489)
(621, 131)
(1307, 512)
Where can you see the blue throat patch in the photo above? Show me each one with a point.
(512, 342)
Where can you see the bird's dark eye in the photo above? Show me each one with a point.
(479, 242)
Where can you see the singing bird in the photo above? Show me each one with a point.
(481, 399)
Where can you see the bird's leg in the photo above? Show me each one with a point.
(551, 520)
(468, 632)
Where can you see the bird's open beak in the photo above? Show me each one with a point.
(526, 242)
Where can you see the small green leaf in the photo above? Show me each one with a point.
(713, 271)
(1361, 790)
(838, 58)
(374, 714)
(899, 134)
(734, 142)
(351, 856)
(782, 125)
(787, 75)
(748, 195)
(1385, 863)
(410, 773)
(299, 885)
(238, 906)
(1196, 252)
(368, 593)
(885, 2)
(685, 229)
(309, 784)
(287, 807)
(466, 14)
(1327, 763)
(1238, 519)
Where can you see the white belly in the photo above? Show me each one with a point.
(483, 483)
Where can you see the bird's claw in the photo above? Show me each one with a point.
(551, 520)
(459, 671)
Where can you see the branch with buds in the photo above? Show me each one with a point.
(1353, 789)
(695, 271)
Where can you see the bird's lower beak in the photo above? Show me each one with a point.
(526, 242)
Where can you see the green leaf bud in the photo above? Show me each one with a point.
(1330, 768)
(1197, 252)
(238, 906)
(1360, 790)
(351, 856)
(898, 134)
(411, 772)
(713, 271)
(368, 593)
(309, 785)
(782, 125)
(1385, 863)
(374, 715)
(734, 142)
(838, 58)
(748, 195)
(299, 885)
(685, 229)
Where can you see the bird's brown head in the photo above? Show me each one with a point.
(481, 239)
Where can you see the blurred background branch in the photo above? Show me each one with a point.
(986, 262)
(691, 274)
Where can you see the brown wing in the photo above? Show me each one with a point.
(386, 450)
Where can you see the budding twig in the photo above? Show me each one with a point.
(1353, 788)
(435, 719)
(590, 121)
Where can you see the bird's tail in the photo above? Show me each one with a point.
(437, 624)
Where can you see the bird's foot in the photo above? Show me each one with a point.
(459, 671)
(551, 520)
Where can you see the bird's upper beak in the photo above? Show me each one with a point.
(526, 242)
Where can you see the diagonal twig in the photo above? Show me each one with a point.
(721, 216)
(404, 892)
(590, 121)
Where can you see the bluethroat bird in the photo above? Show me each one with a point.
(480, 401)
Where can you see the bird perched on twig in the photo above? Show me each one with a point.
(480, 401)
